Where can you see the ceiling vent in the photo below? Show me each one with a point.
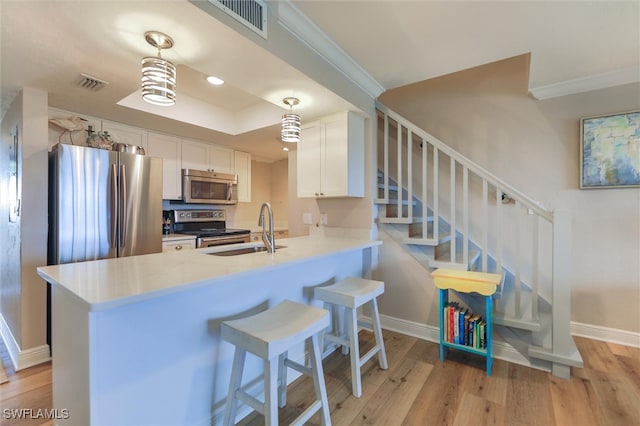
(251, 13)
(92, 83)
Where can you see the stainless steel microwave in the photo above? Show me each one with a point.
(204, 187)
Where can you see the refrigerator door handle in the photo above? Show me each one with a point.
(114, 206)
(123, 205)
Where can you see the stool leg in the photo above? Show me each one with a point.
(282, 380)
(271, 391)
(343, 324)
(354, 348)
(318, 379)
(234, 384)
(377, 331)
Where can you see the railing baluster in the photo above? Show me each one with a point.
(409, 174)
(518, 259)
(425, 209)
(400, 195)
(386, 158)
(436, 196)
(465, 215)
(452, 231)
(485, 223)
(499, 219)
(534, 270)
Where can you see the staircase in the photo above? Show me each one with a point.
(449, 212)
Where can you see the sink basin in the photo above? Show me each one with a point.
(244, 250)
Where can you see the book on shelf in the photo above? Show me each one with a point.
(463, 327)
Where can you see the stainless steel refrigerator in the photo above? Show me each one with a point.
(103, 204)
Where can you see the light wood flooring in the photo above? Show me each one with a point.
(418, 389)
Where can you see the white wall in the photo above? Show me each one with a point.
(486, 114)
(269, 182)
(24, 244)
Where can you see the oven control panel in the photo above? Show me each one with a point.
(198, 215)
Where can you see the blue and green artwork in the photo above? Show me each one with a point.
(611, 151)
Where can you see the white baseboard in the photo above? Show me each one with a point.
(606, 334)
(504, 351)
(501, 350)
(22, 359)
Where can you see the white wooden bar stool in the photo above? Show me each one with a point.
(269, 335)
(351, 293)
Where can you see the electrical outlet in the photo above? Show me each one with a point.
(307, 219)
(324, 218)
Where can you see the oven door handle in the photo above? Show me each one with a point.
(219, 241)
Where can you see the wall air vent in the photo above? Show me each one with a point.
(251, 13)
(92, 83)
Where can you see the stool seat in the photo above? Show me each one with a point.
(275, 330)
(350, 294)
(270, 335)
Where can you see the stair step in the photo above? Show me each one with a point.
(444, 261)
(393, 188)
(403, 220)
(574, 359)
(500, 319)
(427, 241)
(394, 202)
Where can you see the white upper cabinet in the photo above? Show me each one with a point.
(195, 155)
(221, 159)
(331, 157)
(205, 156)
(169, 149)
(242, 167)
(126, 134)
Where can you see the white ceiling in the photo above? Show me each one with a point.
(402, 42)
(47, 44)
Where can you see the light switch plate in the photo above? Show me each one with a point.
(307, 219)
(324, 218)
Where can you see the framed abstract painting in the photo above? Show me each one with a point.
(610, 151)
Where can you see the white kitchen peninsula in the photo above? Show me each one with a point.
(136, 340)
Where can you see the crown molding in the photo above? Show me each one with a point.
(298, 24)
(587, 84)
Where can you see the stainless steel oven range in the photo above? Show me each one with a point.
(209, 227)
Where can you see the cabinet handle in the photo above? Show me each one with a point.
(322, 193)
(178, 247)
(317, 194)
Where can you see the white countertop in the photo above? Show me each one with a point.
(104, 284)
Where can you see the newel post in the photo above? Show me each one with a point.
(561, 274)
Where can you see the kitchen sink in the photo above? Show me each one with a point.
(244, 250)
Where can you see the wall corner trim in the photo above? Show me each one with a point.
(587, 84)
(299, 25)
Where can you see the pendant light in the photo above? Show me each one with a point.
(290, 122)
(158, 75)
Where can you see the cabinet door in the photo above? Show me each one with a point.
(177, 245)
(167, 148)
(195, 155)
(221, 159)
(309, 153)
(126, 134)
(242, 162)
(334, 167)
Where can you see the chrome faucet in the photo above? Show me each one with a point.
(267, 238)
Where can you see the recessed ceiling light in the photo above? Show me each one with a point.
(215, 80)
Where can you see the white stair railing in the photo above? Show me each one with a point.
(513, 241)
